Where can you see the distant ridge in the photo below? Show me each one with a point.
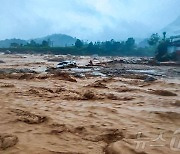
(173, 28)
(57, 40)
(6, 43)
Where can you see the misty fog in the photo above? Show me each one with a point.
(85, 19)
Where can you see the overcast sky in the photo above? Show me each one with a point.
(85, 19)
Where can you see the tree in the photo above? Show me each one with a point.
(108, 45)
(162, 50)
(154, 39)
(90, 46)
(78, 43)
(14, 45)
(45, 43)
(164, 35)
(130, 43)
(33, 43)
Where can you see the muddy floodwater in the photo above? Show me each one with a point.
(112, 108)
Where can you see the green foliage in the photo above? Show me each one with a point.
(78, 43)
(90, 46)
(164, 35)
(130, 43)
(14, 45)
(154, 39)
(45, 43)
(161, 46)
(162, 51)
(107, 48)
(33, 43)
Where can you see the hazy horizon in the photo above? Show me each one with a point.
(85, 19)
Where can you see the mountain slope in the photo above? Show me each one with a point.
(58, 40)
(173, 28)
(6, 43)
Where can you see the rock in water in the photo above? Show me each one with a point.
(150, 79)
(7, 141)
